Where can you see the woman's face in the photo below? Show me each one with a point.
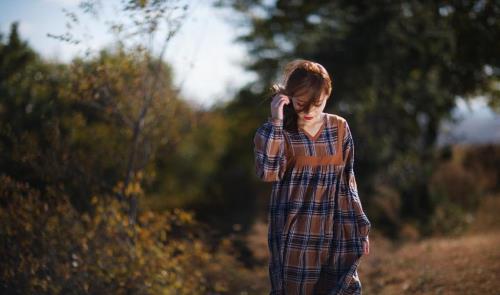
(314, 112)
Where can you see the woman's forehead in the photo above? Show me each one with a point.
(304, 95)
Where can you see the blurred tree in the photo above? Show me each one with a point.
(65, 126)
(31, 111)
(397, 69)
(62, 132)
(136, 26)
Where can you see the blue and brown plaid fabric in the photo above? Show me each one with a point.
(316, 221)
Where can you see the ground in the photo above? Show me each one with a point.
(465, 264)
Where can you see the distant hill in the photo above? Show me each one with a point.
(475, 123)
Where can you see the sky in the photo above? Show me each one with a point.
(204, 56)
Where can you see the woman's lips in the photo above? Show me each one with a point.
(308, 117)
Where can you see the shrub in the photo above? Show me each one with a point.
(49, 248)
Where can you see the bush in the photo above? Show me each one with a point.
(456, 193)
(483, 161)
(449, 218)
(49, 248)
(452, 182)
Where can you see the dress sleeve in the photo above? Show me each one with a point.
(363, 223)
(269, 151)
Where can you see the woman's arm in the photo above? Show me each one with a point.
(269, 150)
(363, 223)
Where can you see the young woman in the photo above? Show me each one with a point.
(317, 228)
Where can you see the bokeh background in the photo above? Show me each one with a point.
(126, 152)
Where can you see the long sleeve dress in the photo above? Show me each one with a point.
(316, 224)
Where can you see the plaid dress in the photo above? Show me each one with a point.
(316, 223)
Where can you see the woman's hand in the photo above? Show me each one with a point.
(277, 103)
(366, 247)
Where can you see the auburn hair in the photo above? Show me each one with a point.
(302, 78)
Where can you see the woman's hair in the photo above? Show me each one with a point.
(303, 78)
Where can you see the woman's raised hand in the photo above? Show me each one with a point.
(277, 103)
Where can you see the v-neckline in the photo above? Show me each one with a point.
(314, 137)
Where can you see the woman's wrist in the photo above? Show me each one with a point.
(275, 121)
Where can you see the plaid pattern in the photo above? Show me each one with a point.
(316, 221)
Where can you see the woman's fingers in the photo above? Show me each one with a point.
(366, 247)
(279, 100)
(283, 101)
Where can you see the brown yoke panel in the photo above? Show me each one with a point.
(336, 159)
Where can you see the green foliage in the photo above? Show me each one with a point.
(231, 191)
(185, 169)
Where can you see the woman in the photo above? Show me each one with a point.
(317, 228)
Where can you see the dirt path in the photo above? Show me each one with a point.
(468, 264)
(464, 265)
